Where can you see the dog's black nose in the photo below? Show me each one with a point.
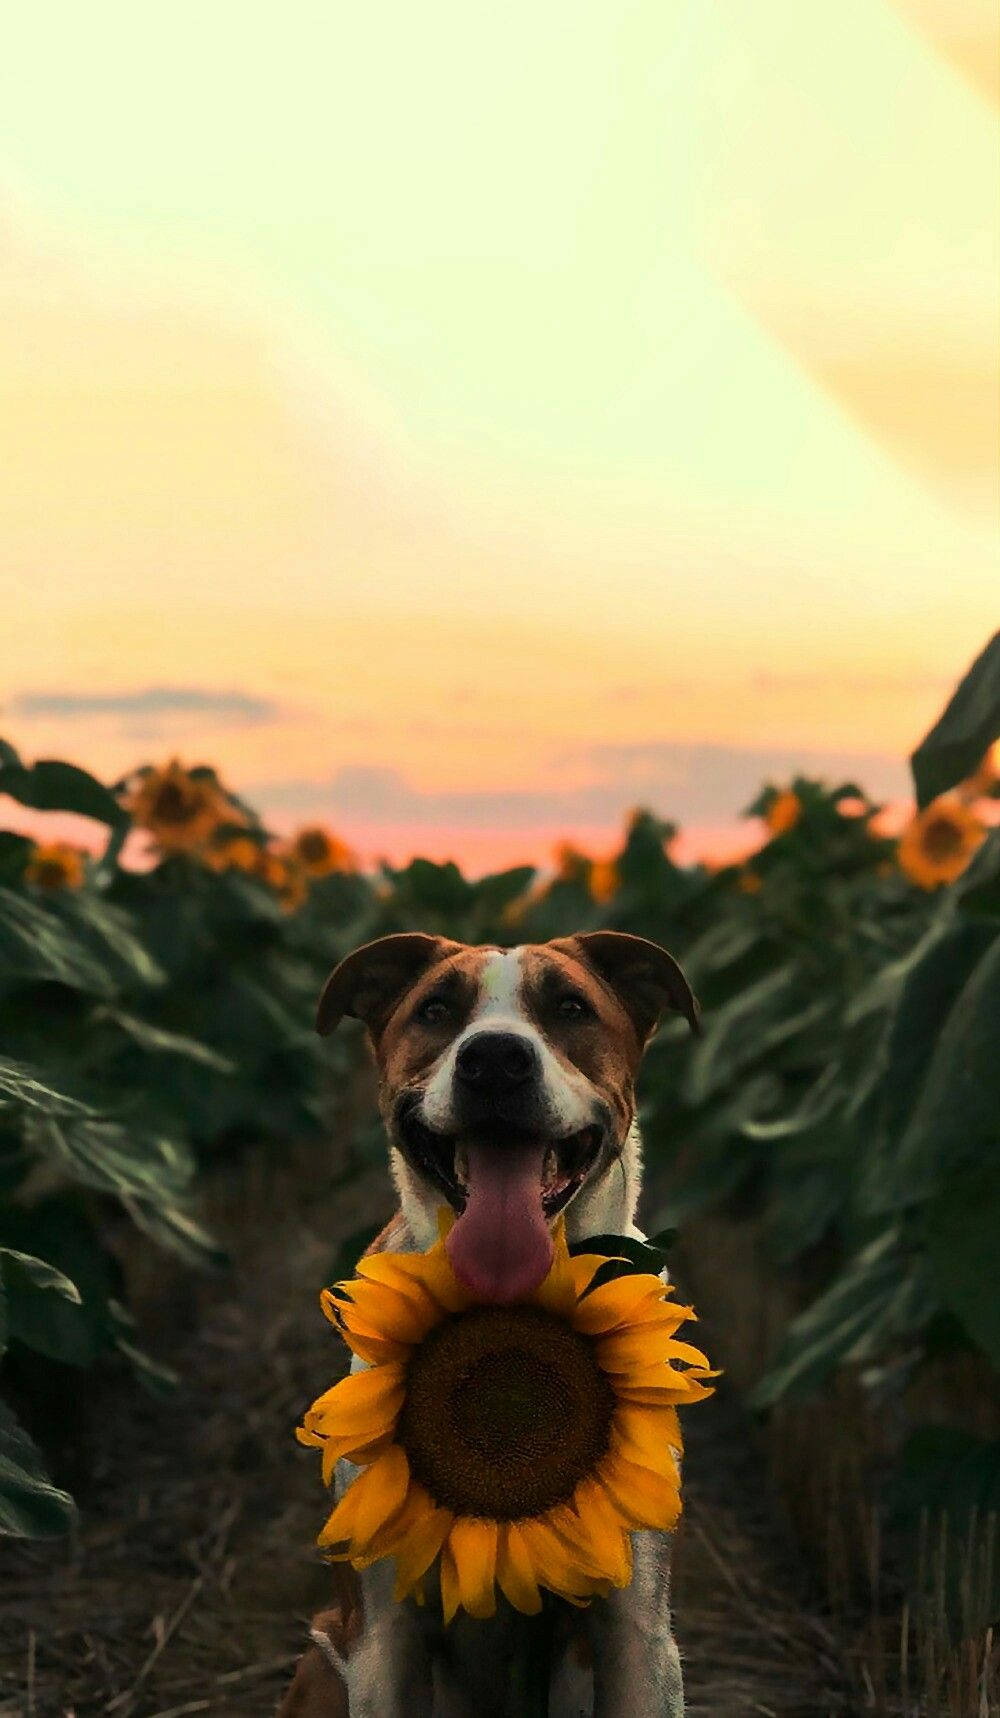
(492, 1062)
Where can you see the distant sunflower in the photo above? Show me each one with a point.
(519, 1444)
(236, 853)
(783, 812)
(55, 865)
(319, 852)
(178, 808)
(748, 881)
(572, 866)
(938, 844)
(282, 873)
(604, 880)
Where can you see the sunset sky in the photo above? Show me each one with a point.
(460, 424)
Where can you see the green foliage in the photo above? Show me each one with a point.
(962, 734)
(844, 1094)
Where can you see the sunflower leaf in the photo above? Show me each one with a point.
(31, 1507)
(626, 1254)
(962, 735)
(50, 785)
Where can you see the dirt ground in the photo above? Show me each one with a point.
(189, 1584)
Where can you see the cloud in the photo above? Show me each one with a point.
(145, 711)
(699, 783)
(856, 685)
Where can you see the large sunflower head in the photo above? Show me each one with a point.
(517, 1445)
(55, 865)
(179, 807)
(938, 844)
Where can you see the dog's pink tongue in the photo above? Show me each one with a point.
(500, 1247)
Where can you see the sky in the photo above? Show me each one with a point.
(461, 424)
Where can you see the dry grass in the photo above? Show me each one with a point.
(189, 1585)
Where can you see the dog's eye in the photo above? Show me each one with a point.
(434, 1011)
(573, 1008)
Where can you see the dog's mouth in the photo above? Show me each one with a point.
(449, 1161)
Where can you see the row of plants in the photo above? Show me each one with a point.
(843, 1096)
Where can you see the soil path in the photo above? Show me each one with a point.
(192, 1576)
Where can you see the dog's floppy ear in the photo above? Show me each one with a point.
(645, 978)
(369, 982)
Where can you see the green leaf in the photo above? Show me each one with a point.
(158, 1039)
(31, 1507)
(50, 785)
(820, 1101)
(963, 1229)
(756, 1021)
(29, 1272)
(626, 1255)
(879, 1295)
(110, 932)
(956, 1118)
(178, 1231)
(954, 747)
(35, 944)
(21, 1089)
(73, 1330)
(977, 890)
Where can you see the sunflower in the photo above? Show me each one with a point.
(572, 866)
(938, 844)
(520, 1444)
(783, 812)
(179, 808)
(282, 873)
(748, 881)
(604, 879)
(236, 853)
(319, 852)
(55, 865)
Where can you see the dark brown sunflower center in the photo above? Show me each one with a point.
(506, 1410)
(942, 838)
(313, 846)
(175, 803)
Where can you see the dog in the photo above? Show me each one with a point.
(507, 1090)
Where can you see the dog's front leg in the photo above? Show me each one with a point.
(637, 1667)
(388, 1674)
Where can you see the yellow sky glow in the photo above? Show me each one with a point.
(483, 394)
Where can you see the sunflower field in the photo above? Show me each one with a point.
(836, 1126)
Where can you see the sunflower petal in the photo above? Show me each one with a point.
(557, 1292)
(554, 1561)
(647, 1436)
(583, 1268)
(473, 1545)
(365, 1402)
(605, 1530)
(428, 1272)
(515, 1571)
(417, 1550)
(643, 1345)
(643, 1498)
(370, 1501)
(618, 1302)
(381, 1309)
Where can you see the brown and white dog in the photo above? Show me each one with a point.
(507, 1088)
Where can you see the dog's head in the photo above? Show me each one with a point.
(506, 1077)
